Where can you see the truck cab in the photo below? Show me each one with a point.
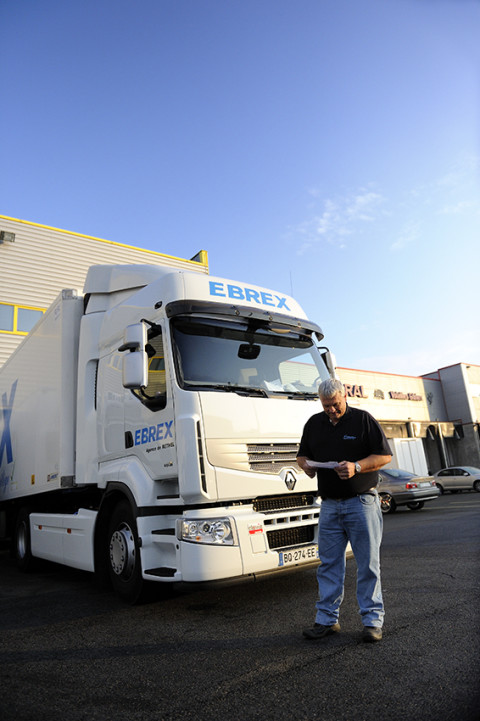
(191, 393)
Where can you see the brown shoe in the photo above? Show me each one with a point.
(319, 631)
(371, 634)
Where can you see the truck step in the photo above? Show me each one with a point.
(163, 571)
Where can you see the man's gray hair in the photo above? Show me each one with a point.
(330, 388)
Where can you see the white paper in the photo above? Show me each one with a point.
(318, 464)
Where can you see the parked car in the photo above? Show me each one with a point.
(458, 478)
(402, 488)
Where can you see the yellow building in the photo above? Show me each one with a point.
(38, 261)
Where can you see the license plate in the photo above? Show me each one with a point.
(297, 555)
(423, 485)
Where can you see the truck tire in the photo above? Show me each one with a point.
(123, 553)
(22, 548)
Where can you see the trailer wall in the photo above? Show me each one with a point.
(38, 398)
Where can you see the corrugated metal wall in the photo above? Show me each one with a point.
(8, 343)
(43, 260)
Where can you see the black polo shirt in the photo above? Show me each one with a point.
(356, 435)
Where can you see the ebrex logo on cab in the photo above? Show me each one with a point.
(152, 434)
(251, 295)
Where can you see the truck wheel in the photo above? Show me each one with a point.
(22, 549)
(123, 553)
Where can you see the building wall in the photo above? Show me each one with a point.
(461, 389)
(470, 446)
(455, 384)
(391, 397)
(42, 261)
(473, 380)
(441, 408)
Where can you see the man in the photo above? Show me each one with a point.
(350, 509)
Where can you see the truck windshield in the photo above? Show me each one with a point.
(247, 357)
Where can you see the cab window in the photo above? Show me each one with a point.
(154, 395)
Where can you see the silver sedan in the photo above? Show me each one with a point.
(458, 478)
(402, 488)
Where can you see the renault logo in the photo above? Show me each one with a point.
(290, 480)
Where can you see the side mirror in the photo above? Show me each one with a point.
(135, 370)
(135, 361)
(329, 360)
(134, 338)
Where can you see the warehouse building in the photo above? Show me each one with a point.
(431, 421)
(37, 262)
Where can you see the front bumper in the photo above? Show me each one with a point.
(260, 538)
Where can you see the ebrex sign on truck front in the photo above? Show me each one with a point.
(239, 293)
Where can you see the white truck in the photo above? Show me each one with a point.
(149, 430)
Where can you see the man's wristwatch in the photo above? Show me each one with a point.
(358, 468)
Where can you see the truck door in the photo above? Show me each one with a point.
(149, 417)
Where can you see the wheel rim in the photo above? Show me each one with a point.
(385, 502)
(122, 551)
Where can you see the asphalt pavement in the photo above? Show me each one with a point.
(72, 652)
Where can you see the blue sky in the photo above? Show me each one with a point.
(323, 148)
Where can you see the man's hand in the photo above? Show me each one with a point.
(373, 462)
(345, 470)
(302, 462)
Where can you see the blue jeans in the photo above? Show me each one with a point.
(358, 520)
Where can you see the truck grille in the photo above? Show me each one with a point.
(272, 457)
(279, 503)
(288, 537)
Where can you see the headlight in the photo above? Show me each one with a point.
(208, 530)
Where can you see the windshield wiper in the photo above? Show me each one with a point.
(297, 395)
(250, 391)
(229, 388)
(304, 396)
